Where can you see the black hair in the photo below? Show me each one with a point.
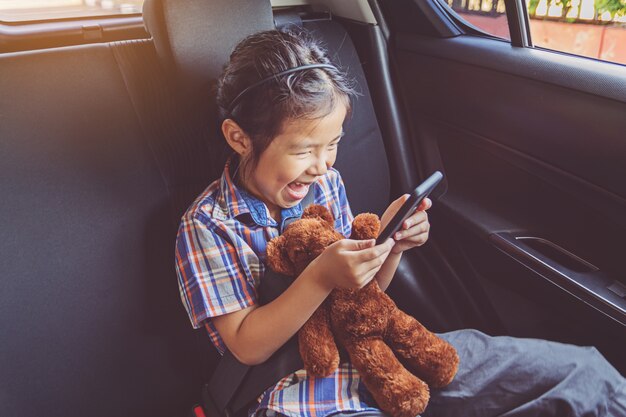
(307, 94)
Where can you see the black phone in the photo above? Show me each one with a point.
(421, 192)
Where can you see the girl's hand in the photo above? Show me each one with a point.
(414, 230)
(350, 263)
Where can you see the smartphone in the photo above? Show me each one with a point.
(421, 192)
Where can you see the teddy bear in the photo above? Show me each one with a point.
(397, 357)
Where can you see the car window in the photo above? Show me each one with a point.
(590, 28)
(15, 11)
(487, 15)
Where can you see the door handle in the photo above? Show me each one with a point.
(564, 269)
(553, 255)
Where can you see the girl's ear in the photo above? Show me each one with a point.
(236, 137)
(277, 258)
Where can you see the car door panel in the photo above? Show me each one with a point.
(532, 145)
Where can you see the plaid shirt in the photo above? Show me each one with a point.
(220, 254)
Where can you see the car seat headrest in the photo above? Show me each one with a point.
(287, 18)
(194, 38)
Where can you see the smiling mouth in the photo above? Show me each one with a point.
(298, 190)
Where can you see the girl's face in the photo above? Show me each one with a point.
(301, 153)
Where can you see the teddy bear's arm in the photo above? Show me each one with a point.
(317, 344)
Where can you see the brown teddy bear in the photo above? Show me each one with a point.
(366, 323)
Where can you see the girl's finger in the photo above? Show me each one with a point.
(417, 218)
(411, 242)
(352, 245)
(367, 278)
(416, 230)
(365, 266)
(371, 267)
(372, 253)
(425, 204)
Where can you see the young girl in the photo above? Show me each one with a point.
(283, 106)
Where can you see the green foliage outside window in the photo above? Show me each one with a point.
(615, 7)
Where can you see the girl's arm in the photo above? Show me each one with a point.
(255, 333)
(387, 271)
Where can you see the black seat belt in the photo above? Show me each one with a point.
(233, 385)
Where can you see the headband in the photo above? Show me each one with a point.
(274, 76)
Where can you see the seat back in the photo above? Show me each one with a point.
(90, 313)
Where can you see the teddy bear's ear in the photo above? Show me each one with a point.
(277, 258)
(320, 212)
(365, 226)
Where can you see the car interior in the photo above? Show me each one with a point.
(108, 127)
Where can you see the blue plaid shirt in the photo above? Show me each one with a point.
(220, 254)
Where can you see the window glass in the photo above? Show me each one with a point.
(29, 10)
(591, 28)
(487, 15)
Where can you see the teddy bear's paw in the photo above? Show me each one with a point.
(439, 366)
(365, 226)
(407, 400)
(412, 408)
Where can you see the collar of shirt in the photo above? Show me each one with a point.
(237, 203)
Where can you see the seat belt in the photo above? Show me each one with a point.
(233, 385)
